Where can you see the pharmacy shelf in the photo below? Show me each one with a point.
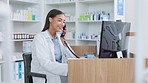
(17, 81)
(60, 3)
(27, 17)
(90, 21)
(90, 15)
(20, 40)
(19, 59)
(93, 40)
(23, 9)
(80, 9)
(23, 2)
(94, 1)
(17, 20)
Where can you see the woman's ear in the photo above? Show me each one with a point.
(50, 19)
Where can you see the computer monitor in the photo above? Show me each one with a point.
(113, 39)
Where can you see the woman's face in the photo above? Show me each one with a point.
(57, 23)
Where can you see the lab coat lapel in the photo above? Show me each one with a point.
(50, 45)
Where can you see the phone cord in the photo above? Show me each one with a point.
(70, 49)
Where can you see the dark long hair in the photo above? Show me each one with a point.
(53, 13)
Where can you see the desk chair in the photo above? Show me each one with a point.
(27, 57)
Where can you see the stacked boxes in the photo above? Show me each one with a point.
(19, 70)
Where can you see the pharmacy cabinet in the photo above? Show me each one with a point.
(26, 18)
(84, 17)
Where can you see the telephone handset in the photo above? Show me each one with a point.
(63, 33)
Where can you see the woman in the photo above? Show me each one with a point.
(49, 54)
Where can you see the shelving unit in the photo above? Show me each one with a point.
(83, 23)
(27, 18)
(24, 22)
(92, 25)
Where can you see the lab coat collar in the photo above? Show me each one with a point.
(48, 35)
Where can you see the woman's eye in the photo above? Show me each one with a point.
(59, 20)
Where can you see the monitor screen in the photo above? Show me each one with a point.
(113, 39)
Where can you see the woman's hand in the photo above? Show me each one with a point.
(64, 33)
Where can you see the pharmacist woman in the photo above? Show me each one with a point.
(49, 53)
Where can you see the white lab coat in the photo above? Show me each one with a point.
(43, 58)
